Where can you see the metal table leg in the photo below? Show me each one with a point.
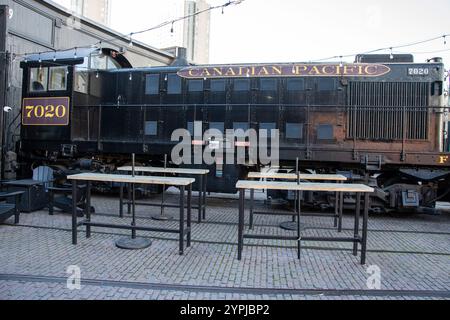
(189, 217)
(74, 212)
(205, 181)
(87, 209)
(200, 198)
(364, 228)
(181, 241)
(241, 222)
(341, 210)
(252, 201)
(121, 201)
(129, 199)
(51, 201)
(336, 210)
(299, 245)
(356, 229)
(133, 211)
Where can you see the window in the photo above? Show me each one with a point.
(151, 128)
(295, 85)
(326, 85)
(241, 125)
(195, 85)
(103, 62)
(242, 85)
(268, 85)
(152, 84)
(267, 126)
(58, 79)
(82, 77)
(38, 79)
(217, 125)
(173, 84)
(217, 85)
(294, 131)
(190, 128)
(99, 62)
(325, 132)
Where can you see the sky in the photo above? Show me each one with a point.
(297, 30)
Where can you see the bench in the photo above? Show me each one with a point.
(291, 225)
(358, 189)
(202, 179)
(8, 210)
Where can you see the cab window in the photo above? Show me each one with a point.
(38, 79)
(58, 79)
(82, 77)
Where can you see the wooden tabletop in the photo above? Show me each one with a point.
(167, 170)
(293, 186)
(130, 179)
(293, 176)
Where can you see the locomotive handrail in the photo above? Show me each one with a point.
(447, 108)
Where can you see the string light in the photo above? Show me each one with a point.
(96, 75)
(391, 56)
(130, 44)
(171, 29)
(161, 25)
(237, 2)
(75, 53)
(100, 50)
(54, 56)
(341, 64)
(131, 76)
(39, 59)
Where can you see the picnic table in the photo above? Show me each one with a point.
(291, 225)
(87, 178)
(358, 189)
(202, 179)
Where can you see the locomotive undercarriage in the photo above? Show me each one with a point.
(398, 189)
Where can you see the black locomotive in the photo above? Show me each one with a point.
(382, 118)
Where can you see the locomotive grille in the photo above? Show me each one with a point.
(388, 111)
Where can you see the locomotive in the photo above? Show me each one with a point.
(382, 119)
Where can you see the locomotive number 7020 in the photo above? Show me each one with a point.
(46, 111)
(49, 111)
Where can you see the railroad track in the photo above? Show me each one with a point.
(237, 290)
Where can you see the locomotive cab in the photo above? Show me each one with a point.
(53, 83)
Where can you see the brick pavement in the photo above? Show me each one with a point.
(412, 252)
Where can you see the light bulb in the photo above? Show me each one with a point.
(96, 75)
(391, 56)
(131, 77)
(445, 40)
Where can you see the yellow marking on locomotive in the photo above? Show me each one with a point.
(443, 159)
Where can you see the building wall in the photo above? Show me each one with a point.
(192, 33)
(41, 25)
(196, 32)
